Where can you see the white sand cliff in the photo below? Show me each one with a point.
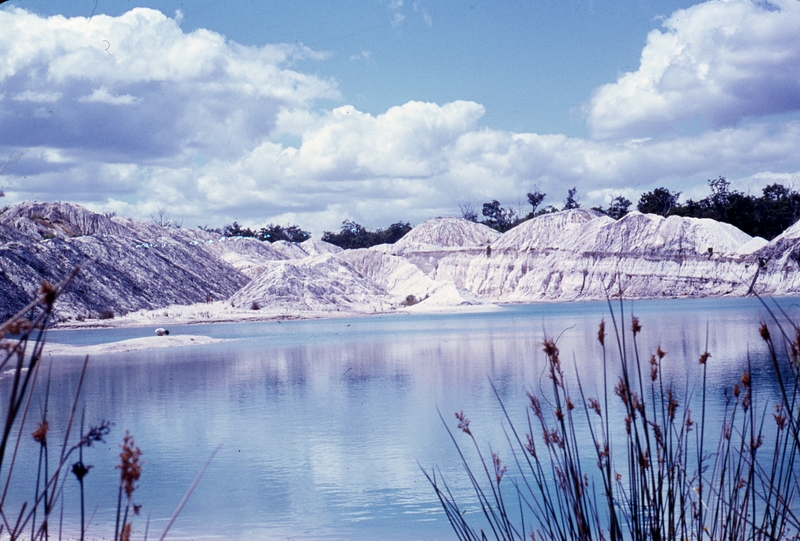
(146, 274)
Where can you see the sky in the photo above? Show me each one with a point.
(378, 111)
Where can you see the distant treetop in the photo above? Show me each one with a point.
(354, 235)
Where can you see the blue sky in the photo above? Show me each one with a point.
(315, 112)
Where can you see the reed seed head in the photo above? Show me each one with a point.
(635, 326)
(621, 390)
(637, 404)
(595, 406)
(555, 437)
(601, 333)
(644, 460)
(764, 332)
(463, 423)
(672, 405)
(535, 405)
(499, 468)
(80, 470)
(130, 465)
(704, 357)
(551, 350)
(96, 434)
(48, 290)
(530, 447)
(746, 379)
(18, 326)
(780, 417)
(40, 434)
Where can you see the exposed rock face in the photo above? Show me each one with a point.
(434, 239)
(318, 247)
(779, 262)
(402, 279)
(442, 233)
(317, 283)
(577, 254)
(125, 265)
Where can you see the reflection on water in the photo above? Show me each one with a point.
(324, 424)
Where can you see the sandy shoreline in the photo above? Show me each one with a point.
(222, 312)
(132, 344)
(197, 314)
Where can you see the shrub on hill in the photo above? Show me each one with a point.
(354, 235)
(767, 216)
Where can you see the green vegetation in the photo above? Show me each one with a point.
(777, 209)
(502, 218)
(656, 472)
(767, 216)
(270, 233)
(353, 235)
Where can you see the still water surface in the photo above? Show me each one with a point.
(323, 425)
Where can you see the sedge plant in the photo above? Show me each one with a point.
(664, 475)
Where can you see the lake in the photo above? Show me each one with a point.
(323, 425)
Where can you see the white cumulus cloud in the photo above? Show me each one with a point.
(719, 61)
(183, 93)
(133, 114)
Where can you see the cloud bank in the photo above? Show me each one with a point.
(720, 61)
(132, 114)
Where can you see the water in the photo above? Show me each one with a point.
(323, 425)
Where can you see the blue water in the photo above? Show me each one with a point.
(323, 425)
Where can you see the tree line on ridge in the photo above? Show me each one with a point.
(767, 215)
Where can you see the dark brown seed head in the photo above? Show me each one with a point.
(40, 434)
(463, 423)
(601, 333)
(551, 351)
(130, 465)
(672, 405)
(764, 332)
(635, 326)
(80, 470)
(48, 291)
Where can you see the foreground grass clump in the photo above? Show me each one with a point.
(42, 517)
(656, 470)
